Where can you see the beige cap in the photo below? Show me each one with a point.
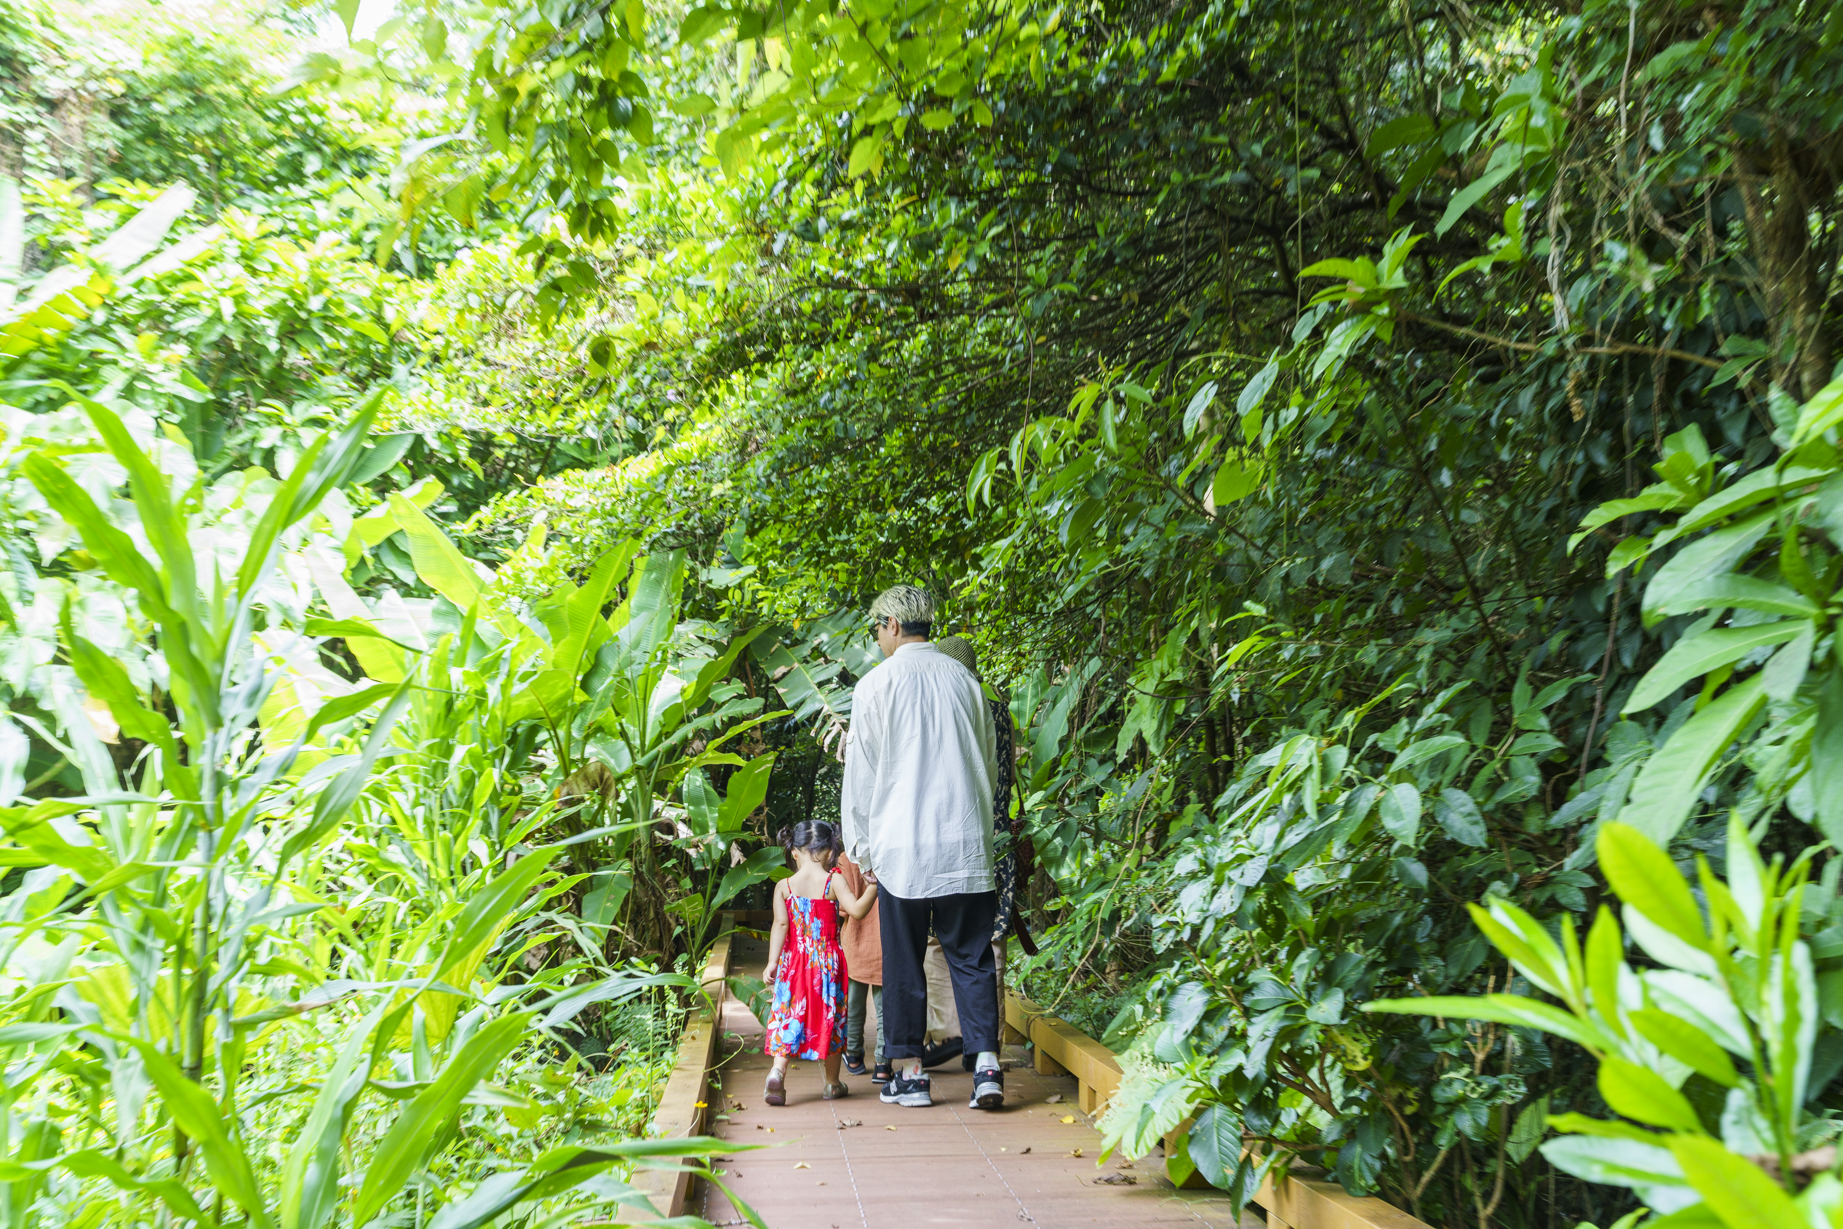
(961, 650)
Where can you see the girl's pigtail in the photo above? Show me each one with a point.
(787, 843)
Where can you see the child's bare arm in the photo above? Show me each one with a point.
(778, 936)
(856, 906)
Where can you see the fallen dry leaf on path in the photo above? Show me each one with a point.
(801, 1165)
(850, 1122)
(1065, 1118)
(1075, 1152)
(1022, 1151)
(1118, 1180)
(1052, 1098)
(889, 1128)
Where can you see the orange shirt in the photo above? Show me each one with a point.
(860, 937)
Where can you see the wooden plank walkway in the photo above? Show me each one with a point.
(859, 1164)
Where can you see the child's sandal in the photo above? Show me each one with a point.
(775, 1093)
(834, 1091)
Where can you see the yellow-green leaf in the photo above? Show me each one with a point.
(866, 155)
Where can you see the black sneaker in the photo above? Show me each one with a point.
(901, 1090)
(854, 1063)
(988, 1090)
(880, 1074)
(935, 1055)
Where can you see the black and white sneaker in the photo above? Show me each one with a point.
(903, 1090)
(988, 1090)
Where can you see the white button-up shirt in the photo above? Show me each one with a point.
(919, 766)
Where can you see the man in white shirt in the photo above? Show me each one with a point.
(917, 811)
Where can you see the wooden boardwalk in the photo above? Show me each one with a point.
(859, 1164)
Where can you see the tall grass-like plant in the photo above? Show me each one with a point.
(152, 946)
(631, 708)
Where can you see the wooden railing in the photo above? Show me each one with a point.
(1296, 1201)
(684, 1104)
(1059, 1048)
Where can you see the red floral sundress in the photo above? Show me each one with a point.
(807, 1017)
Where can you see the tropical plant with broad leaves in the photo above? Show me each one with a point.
(1755, 559)
(1712, 1055)
(631, 705)
(147, 942)
(1306, 892)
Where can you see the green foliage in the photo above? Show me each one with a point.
(1269, 390)
(1712, 1050)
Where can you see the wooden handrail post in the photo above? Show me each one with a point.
(1296, 1201)
(684, 1104)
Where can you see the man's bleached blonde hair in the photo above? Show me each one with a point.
(908, 605)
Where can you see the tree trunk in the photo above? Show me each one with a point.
(1780, 186)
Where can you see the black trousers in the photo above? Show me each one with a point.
(963, 923)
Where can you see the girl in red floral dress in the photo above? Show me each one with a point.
(807, 1018)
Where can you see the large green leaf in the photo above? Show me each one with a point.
(1732, 589)
(1499, 1009)
(1643, 1167)
(322, 468)
(1700, 655)
(1426, 749)
(748, 789)
(560, 1169)
(1643, 1095)
(441, 567)
(1459, 817)
(194, 1112)
(1827, 753)
(417, 1130)
(753, 869)
(58, 845)
(1672, 779)
(1215, 1144)
(1602, 961)
(652, 606)
(1702, 559)
(493, 904)
(1687, 1044)
(1475, 191)
(804, 684)
(191, 682)
(1644, 877)
(1517, 935)
(1763, 484)
(1401, 812)
(1737, 1189)
(310, 1176)
(107, 679)
(165, 528)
